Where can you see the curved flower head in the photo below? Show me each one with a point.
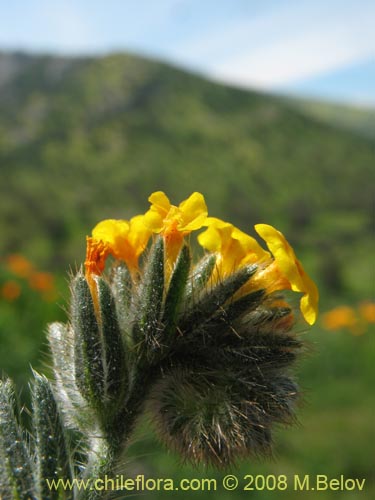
(173, 222)
(290, 271)
(233, 247)
(124, 240)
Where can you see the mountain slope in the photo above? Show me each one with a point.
(90, 138)
(356, 119)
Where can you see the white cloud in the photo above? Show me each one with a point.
(295, 58)
(286, 45)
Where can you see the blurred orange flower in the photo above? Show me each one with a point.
(367, 311)
(19, 265)
(340, 317)
(43, 282)
(356, 320)
(10, 290)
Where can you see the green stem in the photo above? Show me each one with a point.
(106, 453)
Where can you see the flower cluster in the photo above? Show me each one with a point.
(277, 269)
(207, 346)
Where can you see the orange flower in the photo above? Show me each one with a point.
(42, 281)
(96, 254)
(124, 240)
(340, 317)
(367, 311)
(19, 265)
(10, 290)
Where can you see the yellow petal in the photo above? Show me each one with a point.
(210, 239)
(160, 202)
(292, 269)
(309, 304)
(155, 216)
(122, 239)
(253, 252)
(139, 234)
(193, 212)
(111, 232)
(216, 235)
(283, 254)
(153, 221)
(215, 222)
(233, 243)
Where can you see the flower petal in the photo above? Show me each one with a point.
(283, 254)
(210, 239)
(310, 301)
(139, 234)
(216, 236)
(114, 234)
(160, 202)
(292, 269)
(193, 212)
(155, 216)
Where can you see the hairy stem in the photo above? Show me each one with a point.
(106, 451)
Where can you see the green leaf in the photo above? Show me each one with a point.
(61, 341)
(88, 349)
(214, 298)
(149, 305)
(202, 272)
(243, 305)
(121, 285)
(16, 472)
(114, 363)
(175, 292)
(52, 452)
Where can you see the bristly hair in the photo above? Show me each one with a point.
(226, 382)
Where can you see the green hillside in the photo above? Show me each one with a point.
(356, 119)
(84, 139)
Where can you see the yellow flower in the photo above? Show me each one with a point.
(124, 240)
(173, 222)
(288, 271)
(233, 247)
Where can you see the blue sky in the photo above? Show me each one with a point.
(321, 48)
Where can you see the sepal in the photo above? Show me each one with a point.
(122, 290)
(148, 307)
(88, 351)
(211, 299)
(200, 276)
(114, 361)
(75, 407)
(175, 295)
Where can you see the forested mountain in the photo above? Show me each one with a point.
(82, 139)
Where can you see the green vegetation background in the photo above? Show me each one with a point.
(90, 138)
